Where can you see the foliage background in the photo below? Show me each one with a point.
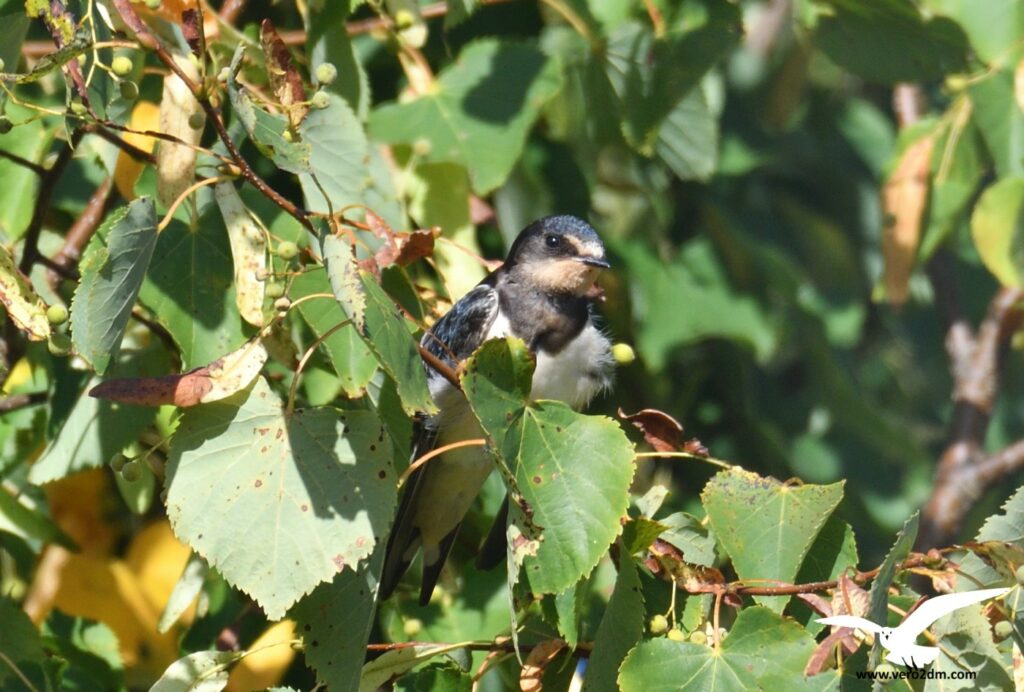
(810, 206)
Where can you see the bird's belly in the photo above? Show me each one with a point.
(576, 373)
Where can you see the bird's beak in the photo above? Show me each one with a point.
(600, 262)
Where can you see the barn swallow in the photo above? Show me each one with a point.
(541, 294)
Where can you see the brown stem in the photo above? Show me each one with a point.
(230, 10)
(82, 229)
(17, 401)
(123, 145)
(30, 255)
(582, 649)
(437, 364)
(131, 18)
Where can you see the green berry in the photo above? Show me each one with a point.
(320, 100)
(117, 462)
(404, 19)
(274, 289)
(287, 250)
(326, 73)
(5, 125)
(698, 637)
(78, 108)
(153, 4)
(132, 470)
(59, 344)
(623, 354)
(129, 90)
(197, 121)
(658, 624)
(262, 274)
(57, 314)
(121, 65)
(676, 635)
(412, 627)
(1003, 629)
(282, 304)
(885, 671)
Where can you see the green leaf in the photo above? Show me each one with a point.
(479, 113)
(994, 27)
(19, 641)
(999, 120)
(878, 598)
(397, 662)
(113, 268)
(714, 309)
(1007, 527)
(338, 158)
(96, 429)
(318, 482)
(688, 138)
(327, 40)
(965, 642)
(833, 552)
(91, 649)
(573, 471)
(20, 518)
(188, 586)
(190, 289)
(436, 677)
(621, 628)
(766, 526)
(30, 140)
(397, 351)
(458, 12)
(350, 357)
(203, 671)
(996, 225)
(343, 275)
(335, 622)
(762, 652)
(687, 533)
(889, 41)
(567, 605)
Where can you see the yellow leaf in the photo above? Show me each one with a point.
(903, 202)
(272, 654)
(145, 117)
(157, 559)
(25, 308)
(175, 163)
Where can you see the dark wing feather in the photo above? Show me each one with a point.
(493, 550)
(453, 338)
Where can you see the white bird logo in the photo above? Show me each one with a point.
(900, 641)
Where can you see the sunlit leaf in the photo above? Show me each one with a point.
(23, 305)
(997, 229)
(248, 251)
(203, 671)
(338, 159)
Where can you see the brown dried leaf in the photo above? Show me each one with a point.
(1005, 558)
(663, 557)
(218, 380)
(532, 674)
(25, 308)
(822, 657)
(284, 78)
(903, 202)
(407, 248)
(192, 29)
(662, 431)
(849, 598)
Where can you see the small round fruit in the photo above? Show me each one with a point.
(658, 624)
(274, 289)
(326, 73)
(698, 637)
(404, 19)
(287, 250)
(320, 100)
(59, 344)
(1020, 575)
(623, 354)
(262, 274)
(117, 462)
(57, 314)
(412, 627)
(153, 4)
(121, 65)
(197, 121)
(224, 75)
(1003, 629)
(676, 635)
(132, 470)
(282, 304)
(78, 108)
(5, 125)
(129, 90)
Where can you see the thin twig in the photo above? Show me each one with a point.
(131, 18)
(19, 401)
(443, 368)
(122, 144)
(23, 162)
(436, 452)
(30, 255)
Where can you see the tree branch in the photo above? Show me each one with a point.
(18, 401)
(81, 231)
(30, 254)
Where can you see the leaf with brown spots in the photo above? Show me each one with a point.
(23, 305)
(218, 380)
(663, 432)
(284, 78)
(532, 674)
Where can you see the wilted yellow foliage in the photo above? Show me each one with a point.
(157, 558)
(264, 668)
(145, 116)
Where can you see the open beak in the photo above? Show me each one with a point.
(600, 262)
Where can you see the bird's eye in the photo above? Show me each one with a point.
(552, 241)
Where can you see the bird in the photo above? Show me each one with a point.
(543, 293)
(900, 642)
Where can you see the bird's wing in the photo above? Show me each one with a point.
(454, 337)
(934, 608)
(851, 621)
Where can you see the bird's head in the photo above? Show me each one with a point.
(560, 254)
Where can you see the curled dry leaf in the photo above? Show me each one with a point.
(248, 251)
(531, 677)
(663, 432)
(218, 380)
(25, 308)
(903, 201)
(175, 163)
(284, 78)
(400, 247)
(666, 559)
